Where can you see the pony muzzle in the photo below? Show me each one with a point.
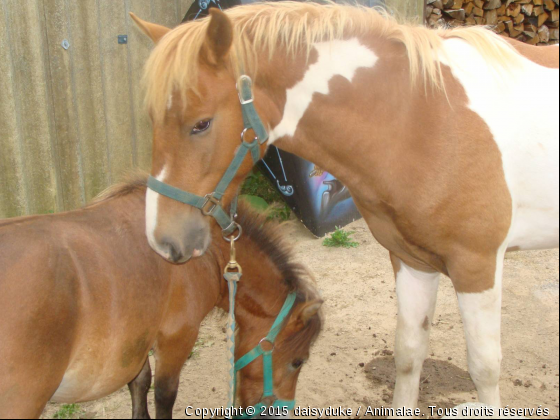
(186, 238)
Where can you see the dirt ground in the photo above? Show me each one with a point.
(352, 363)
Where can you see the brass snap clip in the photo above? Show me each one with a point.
(233, 266)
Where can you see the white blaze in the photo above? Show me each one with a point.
(335, 58)
(152, 200)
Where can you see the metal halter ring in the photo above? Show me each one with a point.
(256, 138)
(230, 237)
(266, 340)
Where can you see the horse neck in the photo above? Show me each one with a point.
(327, 131)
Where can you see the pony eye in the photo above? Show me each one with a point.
(201, 126)
(297, 363)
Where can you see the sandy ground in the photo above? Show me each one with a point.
(352, 363)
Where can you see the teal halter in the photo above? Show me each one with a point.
(258, 351)
(211, 204)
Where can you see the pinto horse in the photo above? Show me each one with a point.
(422, 125)
(84, 299)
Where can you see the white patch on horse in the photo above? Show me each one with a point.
(530, 148)
(69, 390)
(482, 315)
(152, 201)
(170, 102)
(84, 381)
(336, 58)
(416, 294)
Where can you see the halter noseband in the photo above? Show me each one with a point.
(211, 204)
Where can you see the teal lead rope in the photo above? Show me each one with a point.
(232, 274)
(232, 279)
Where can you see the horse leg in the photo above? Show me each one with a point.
(171, 354)
(139, 389)
(417, 294)
(481, 313)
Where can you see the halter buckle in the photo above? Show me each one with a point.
(213, 202)
(239, 85)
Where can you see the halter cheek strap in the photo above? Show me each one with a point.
(251, 118)
(211, 204)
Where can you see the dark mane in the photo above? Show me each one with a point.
(268, 236)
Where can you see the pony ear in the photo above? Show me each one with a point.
(219, 37)
(153, 30)
(305, 312)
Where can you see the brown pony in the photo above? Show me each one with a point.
(423, 126)
(84, 299)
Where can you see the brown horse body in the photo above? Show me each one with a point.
(84, 299)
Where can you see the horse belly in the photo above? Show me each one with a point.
(531, 167)
(532, 172)
(84, 384)
(528, 138)
(88, 383)
(534, 229)
(101, 367)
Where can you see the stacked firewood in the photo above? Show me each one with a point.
(535, 22)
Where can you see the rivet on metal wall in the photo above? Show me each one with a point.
(65, 44)
(123, 39)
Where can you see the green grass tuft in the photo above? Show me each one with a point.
(256, 188)
(69, 411)
(258, 185)
(340, 239)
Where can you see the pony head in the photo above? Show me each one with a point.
(197, 126)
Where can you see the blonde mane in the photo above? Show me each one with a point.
(295, 27)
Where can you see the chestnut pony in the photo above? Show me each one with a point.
(84, 299)
(422, 125)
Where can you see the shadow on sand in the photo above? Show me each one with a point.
(442, 384)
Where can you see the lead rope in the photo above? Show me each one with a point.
(232, 274)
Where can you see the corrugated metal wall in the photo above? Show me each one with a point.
(71, 119)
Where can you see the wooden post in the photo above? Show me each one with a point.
(408, 9)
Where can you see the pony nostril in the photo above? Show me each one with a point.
(173, 252)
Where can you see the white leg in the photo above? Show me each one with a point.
(417, 295)
(481, 314)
